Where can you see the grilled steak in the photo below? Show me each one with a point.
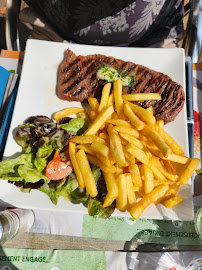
(77, 81)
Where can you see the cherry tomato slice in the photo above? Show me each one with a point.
(57, 169)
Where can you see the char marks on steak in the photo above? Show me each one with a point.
(77, 81)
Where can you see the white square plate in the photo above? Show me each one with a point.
(37, 96)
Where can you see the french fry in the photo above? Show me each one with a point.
(121, 200)
(118, 98)
(83, 139)
(136, 189)
(105, 96)
(143, 114)
(108, 201)
(158, 182)
(110, 100)
(169, 166)
(112, 189)
(134, 119)
(176, 158)
(128, 156)
(173, 190)
(132, 139)
(91, 114)
(153, 161)
(67, 112)
(150, 110)
(100, 140)
(190, 169)
(123, 141)
(116, 147)
(152, 148)
(119, 170)
(148, 179)
(152, 197)
(138, 195)
(147, 152)
(160, 128)
(85, 116)
(104, 136)
(173, 201)
(94, 104)
(142, 193)
(142, 97)
(100, 148)
(127, 130)
(97, 162)
(115, 115)
(172, 144)
(135, 174)
(118, 122)
(72, 155)
(104, 160)
(99, 121)
(86, 148)
(137, 153)
(157, 140)
(139, 160)
(86, 173)
(157, 173)
(130, 191)
(162, 169)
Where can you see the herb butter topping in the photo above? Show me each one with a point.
(111, 74)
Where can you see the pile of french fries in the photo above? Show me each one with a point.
(139, 160)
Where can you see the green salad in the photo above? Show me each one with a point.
(44, 163)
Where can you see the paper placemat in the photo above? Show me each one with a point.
(24, 259)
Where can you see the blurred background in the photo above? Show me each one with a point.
(13, 33)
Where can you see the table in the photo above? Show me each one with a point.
(34, 243)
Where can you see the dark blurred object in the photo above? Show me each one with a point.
(59, 20)
(113, 22)
(2, 24)
(16, 33)
(187, 25)
(12, 25)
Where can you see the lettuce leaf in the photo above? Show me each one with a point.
(9, 167)
(95, 208)
(96, 173)
(79, 194)
(199, 171)
(21, 168)
(54, 141)
(31, 175)
(50, 191)
(75, 126)
(70, 185)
